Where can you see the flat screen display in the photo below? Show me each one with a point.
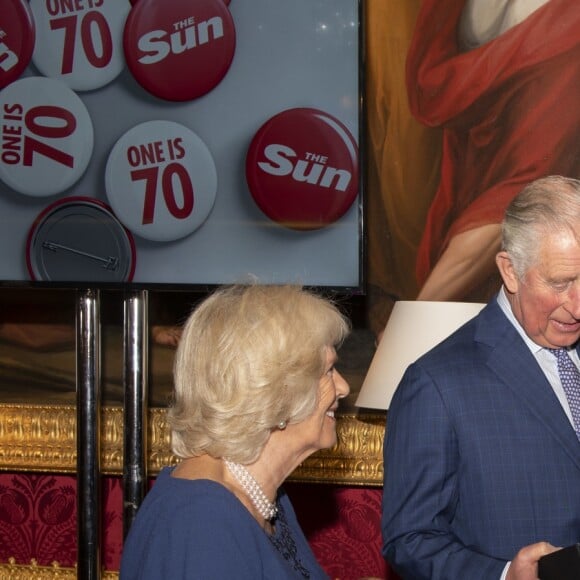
(164, 142)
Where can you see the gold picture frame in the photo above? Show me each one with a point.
(32, 571)
(42, 438)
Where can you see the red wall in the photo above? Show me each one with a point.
(38, 520)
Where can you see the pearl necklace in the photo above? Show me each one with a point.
(265, 507)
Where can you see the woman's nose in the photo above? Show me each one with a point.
(342, 386)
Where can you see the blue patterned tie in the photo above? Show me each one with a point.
(570, 378)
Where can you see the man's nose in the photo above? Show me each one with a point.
(573, 305)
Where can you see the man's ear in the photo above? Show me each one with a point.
(507, 272)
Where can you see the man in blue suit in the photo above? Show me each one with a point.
(482, 460)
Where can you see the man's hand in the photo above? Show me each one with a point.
(525, 565)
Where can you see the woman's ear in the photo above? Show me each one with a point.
(507, 272)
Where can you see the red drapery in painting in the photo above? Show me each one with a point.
(509, 112)
(38, 521)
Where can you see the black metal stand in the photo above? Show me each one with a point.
(88, 353)
(135, 379)
(136, 347)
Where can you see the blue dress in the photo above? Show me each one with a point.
(198, 529)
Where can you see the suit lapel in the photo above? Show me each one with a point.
(513, 363)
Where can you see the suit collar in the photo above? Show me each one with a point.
(512, 361)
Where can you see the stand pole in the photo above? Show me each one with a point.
(88, 353)
(136, 372)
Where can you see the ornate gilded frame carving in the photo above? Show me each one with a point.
(32, 571)
(43, 438)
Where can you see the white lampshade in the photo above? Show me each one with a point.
(413, 328)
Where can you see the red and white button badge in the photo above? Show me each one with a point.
(179, 50)
(80, 42)
(161, 180)
(302, 169)
(17, 35)
(47, 136)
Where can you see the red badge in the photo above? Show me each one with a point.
(302, 169)
(178, 50)
(17, 34)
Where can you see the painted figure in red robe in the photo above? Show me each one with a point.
(502, 79)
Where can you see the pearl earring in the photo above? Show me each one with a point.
(282, 425)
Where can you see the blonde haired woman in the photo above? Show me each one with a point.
(256, 391)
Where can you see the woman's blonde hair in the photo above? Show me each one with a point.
(249, 357)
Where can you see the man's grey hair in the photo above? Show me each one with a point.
(544, 206)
